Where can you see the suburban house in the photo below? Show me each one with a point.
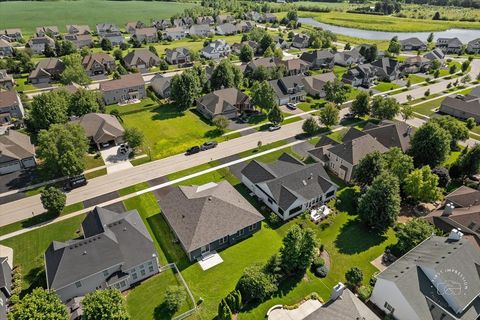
(162, 24)
(50, 31)
(288, 186)
(342, 158)
(343, 305)
(281, 43)
(208, 218)
(161, 85)
(319, 59)
(201, 30)
(16, 152)
(295, 66)
(175, 33)
(130, 27)
(128, 87)
(6, 267)
(180, 55)
(11, 106)
(101, 129)
(38, 44)
(224, 19)
(103, 28)
(216, 49)
(237, 47)
(313, 85)
(226, 29)
(435, 54)
(188, 21)
(438, 279)
(348, 58)
(473, 46)
(146, 35)
(78, 29)
(79, 40)
(386, 69)
(6, 49)
(116, 251)
(363, 75)
(6, 80)
(141, 59)
(267, 62)
(253, 15)
(415, 64)
(413, 44)
(46, 70)
(449, 45)
(289, 89)
(244, 26)
(229, 102)
(268, 17)
(98, 63)
(300, 41)
(462, 107)
(205, 20)
(115, 37)
(11, 35)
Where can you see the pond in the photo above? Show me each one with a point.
(465, 35)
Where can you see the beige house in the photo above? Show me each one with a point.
(11, 107)
(313, 85)
(228, 102)
(101, 128)
(128, 87)
(16, 152)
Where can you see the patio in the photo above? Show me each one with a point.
(305, 309)
(210, 260)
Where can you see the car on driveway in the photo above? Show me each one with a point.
(193, 150)
(274, 128)
(291, 106)
(349, 115)
(123, 149)
(209, 145)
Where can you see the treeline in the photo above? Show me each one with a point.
(456, 3)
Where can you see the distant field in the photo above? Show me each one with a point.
(28, 15)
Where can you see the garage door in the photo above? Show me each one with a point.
(10, 167)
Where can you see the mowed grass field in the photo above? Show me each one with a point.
(30, 14)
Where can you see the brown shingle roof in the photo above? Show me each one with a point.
(16, 145)
(8, 98)
(100, 127)
(125, 81)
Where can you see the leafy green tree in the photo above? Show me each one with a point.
(107, 304)
(62, 149)
(292, 15)
(379, 206)
(134, 137)
(354, 277)
(263, 96)
(64, 48)
(470, 123)
(422, 185)
(347, 46)
(384, 108)
(278, 53)
(298, 250)
(83, 101)
(465, 65)
(275, 116)
(106, 44)
(266, 42)
(369, 168)
(40, 304)
(394, 46)
(410, 234)
(174, 297)
(398, 163)
(430, 37)
(224, 75)
(430, 145)
(361, 105)
(185, 89)
(336, 92)
(469, 161)
(268, 53)
(53, 200)
(458, 129)
(224, 311)
(310, 126)
(246, 53)
(48, 51)
(74, 71)
(255, 284)
(453, 69)
(406, 110)
(329, 115)
(443, 176)
(48, 108)
(221, 122)
(118, 54)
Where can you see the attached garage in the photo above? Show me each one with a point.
(9, 167)
(16, 152)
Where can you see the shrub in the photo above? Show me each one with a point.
(255, 284)
(471, 123)
(364, 293)
(174, 297)
(318, 262)
(308, 99)
(321, 271)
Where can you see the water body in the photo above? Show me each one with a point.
(465, 35)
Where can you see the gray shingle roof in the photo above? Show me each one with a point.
(100, 127)
(200, 215)
(355, 150)
(312, 56)
(15, 145)
(464, 197)
(469, 104)
(223, 100)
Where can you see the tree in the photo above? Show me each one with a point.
(384, 108)
(397, 163)
(74, 71)
(427, 92)
(379, 206)
(361, 105)
(422, 185)
(38, 305)
(153, 50)
(457, 129)
(310, 126)
(469, 161)
(354, 277)
(246, 53)
(174, 297)
(275, 116)
(62, 149)
(83, 101)
(329, 115)
(48, 108)
(430, 37)
(436, 16)
(430, 145)
(223, 76)
(221, 122)
(224, 311)
(443, 176)
(465, 65)
(470, 123)
(266, 42)
(255, 284)
(106, 44)
(118, 54)
(406, 111)
(408, 84)
(53, 200)
(268, 53)
(347, 46)
(370, 167)
(134, 137)
(394, 46)
(163, 65)
(453, 69)
(298, 250)
(278, 53)
(292, 15)
(48, 51)
(410, 234)
(185, 89)
(107, 304)
(263, 96)
(336, 92)
(436, 73)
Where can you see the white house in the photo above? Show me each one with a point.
(216, 49)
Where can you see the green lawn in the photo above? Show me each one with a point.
(415, 79)
(93, 161)
(96, 173)
(31, 14)
(132, 189)
(386, 86)
(143, 105)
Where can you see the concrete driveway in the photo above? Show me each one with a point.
(114, 160)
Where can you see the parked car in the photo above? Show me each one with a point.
(123, 149)
(291, 106)
(209, 145)
(349, 115)
(193, 150)
(274, 128)
(75, 182)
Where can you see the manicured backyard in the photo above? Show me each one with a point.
(385, 86)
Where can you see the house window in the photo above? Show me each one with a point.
(389, 307)
(150, 263)
(252, 227)
(134, 276)
(78, 284)
(150, 269)
(122, 284)
(223, 240)
(295, 210)
(142, 266)
(330, 194)
(241, 232)
(142, 272)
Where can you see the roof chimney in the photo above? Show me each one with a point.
(337, 291)
(455, 235)
(84, 253)
(448, 210)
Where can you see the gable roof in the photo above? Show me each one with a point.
(312, 56)
(317, 82)
(222, 100)
(464, 197)
(16, 145)
(469, 104)
(200, 215)
(100, 127)
(392, 134)
(99, 57)
(175, 53)
(294, 64)
(356, 149)
(144, 55)
(413, 41)
(125, 81)
(47, 68)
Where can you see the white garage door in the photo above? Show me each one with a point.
(11, 167)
